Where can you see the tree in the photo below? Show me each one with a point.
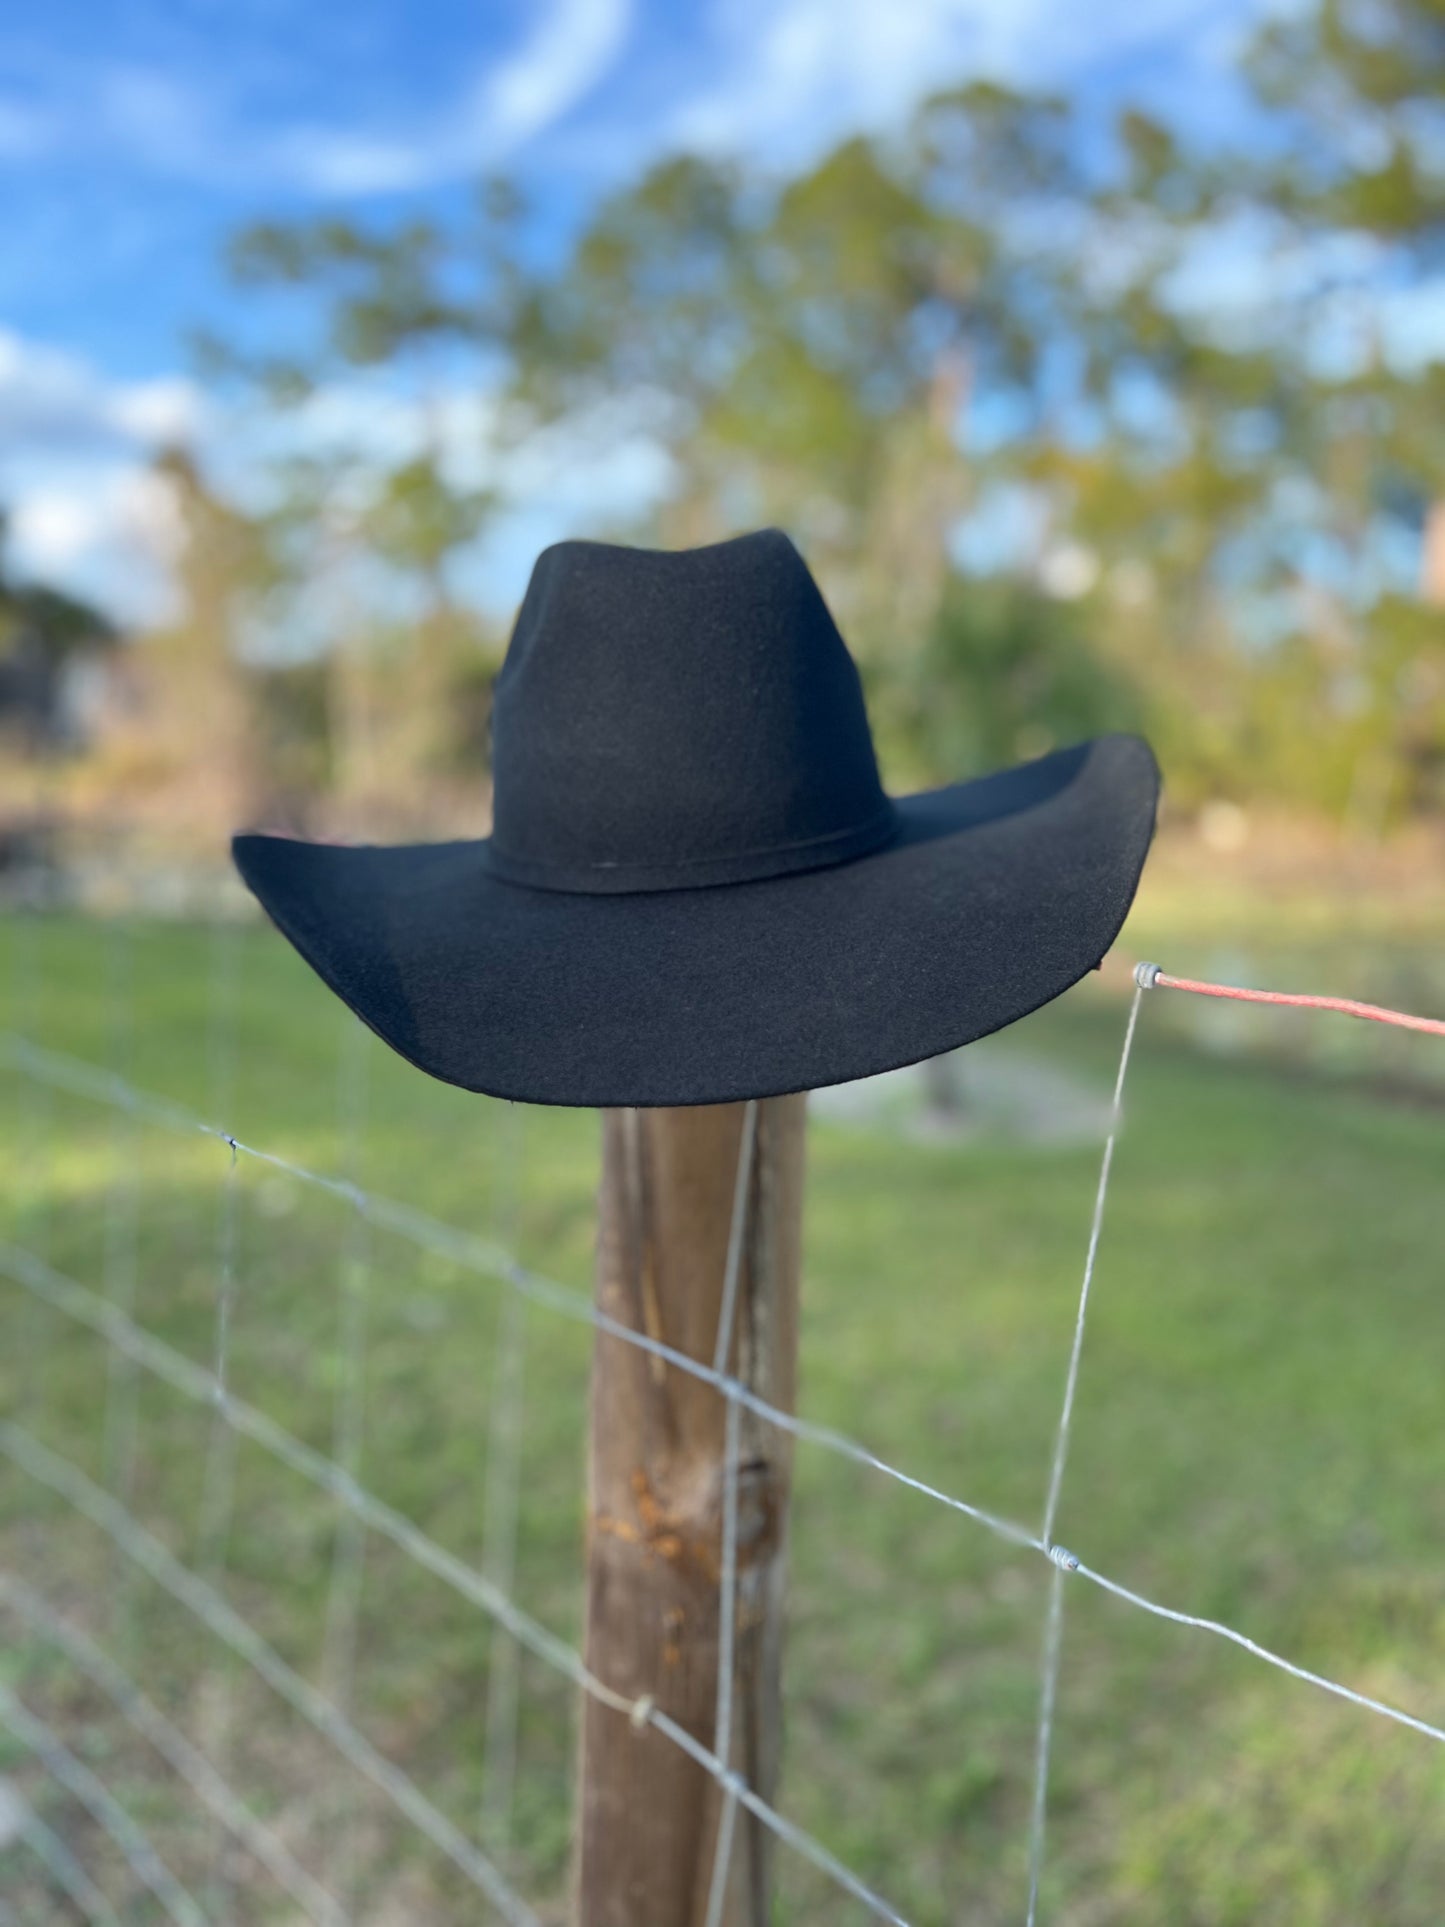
(807, 351)
(182, 740)
(989, 305)
(1360, 92)
(371, 531)
(1287, 446)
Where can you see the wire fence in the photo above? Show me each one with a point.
(324, 1884)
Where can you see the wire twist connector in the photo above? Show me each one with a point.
(1146, 975)
(1065, 1560)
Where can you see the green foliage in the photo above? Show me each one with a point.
(832, 352)
(417, 518)
(1010, 673)
(1361, 84)
(1256, 1436)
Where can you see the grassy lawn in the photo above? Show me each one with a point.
(1257, 1438)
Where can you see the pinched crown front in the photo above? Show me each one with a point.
(672, 719)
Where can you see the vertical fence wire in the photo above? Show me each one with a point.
(218, 1484)
(189, 1590)
(79, 1781)
(121, 1252)
(501, 1517)
(108, 1313)
(186, 1759)
(37, 1128)
(226, 935)
(728, 1574)
(348, 1558)
(218, 1489)
(217, 1508)
(1062, 1562)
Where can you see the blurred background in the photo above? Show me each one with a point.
(1095, 365)
(1095, 359)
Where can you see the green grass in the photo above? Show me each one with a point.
(1257, 1438)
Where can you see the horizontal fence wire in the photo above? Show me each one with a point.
(79, 1079)
(1149, 976)
(64, 1869)
(76, 1301)
(44, 1622)
(102, 1805)
(49, 1469)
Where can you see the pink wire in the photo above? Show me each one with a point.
(1347, 1006)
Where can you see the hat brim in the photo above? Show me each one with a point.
(995, 896)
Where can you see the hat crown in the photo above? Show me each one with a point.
(671, 719)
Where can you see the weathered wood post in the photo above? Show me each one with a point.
(649, 1816)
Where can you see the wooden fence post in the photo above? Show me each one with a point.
(648, 1816)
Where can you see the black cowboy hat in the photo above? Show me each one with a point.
(695, 889)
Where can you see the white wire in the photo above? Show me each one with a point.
(191, 1379)
(343, 1595)
(37, 1128)
(1071, 1382)
(464, 1248)
(76, 1777)
(150, 1555)
(732, 1450)
(1054, 1629)
(737, 1234)
(499, 1564)
(430, 1234)
(1048, 1694)
(218, 1488)
(218, 1485)
(173, 1746)
(1430, 1731)
(502, 1502)
(57, 1859)
(727, 1620)
(120, 1259)
(72, 1075)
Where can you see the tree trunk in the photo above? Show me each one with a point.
(1432, 557)
(648, 1815)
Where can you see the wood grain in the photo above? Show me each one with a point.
(648, 1816)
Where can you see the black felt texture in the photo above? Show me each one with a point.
(986, 900)
(666, 719)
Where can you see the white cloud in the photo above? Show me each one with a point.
(88, 513)
(54, 399)
(52, 528)
(793, 75)
(192, 126)
(60, 528)
(85, 511)
(590, 474)
(165, 410)
(568, 53)
(107, 532)
(777, 79)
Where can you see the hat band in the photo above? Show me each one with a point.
(699, 873)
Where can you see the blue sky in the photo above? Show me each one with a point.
(135, 134)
